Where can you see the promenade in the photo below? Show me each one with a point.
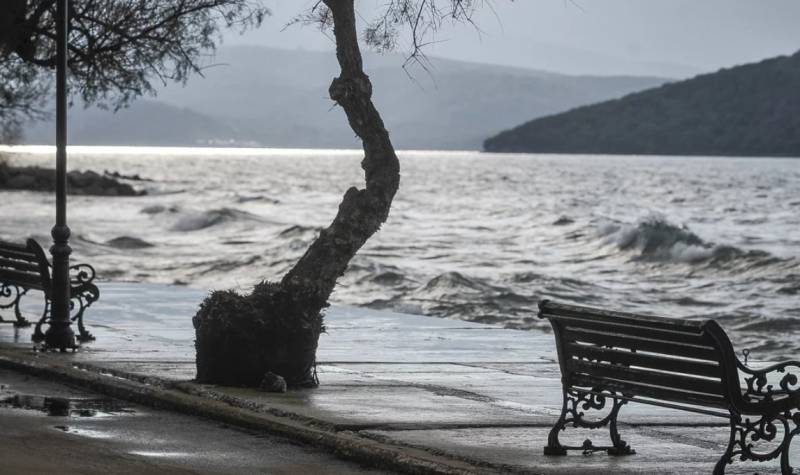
(398, 392)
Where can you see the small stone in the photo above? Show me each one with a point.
(273, 383)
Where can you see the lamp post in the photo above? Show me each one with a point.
(60, 335)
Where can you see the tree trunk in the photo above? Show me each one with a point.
(361, 212)
(236, 335)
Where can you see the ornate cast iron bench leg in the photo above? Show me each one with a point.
(38, 334)
(766, 428)
(84, 300)
(572, 412)
(84, 293)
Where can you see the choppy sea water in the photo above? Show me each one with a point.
(475, 236)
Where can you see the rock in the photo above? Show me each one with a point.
(83, 179)
(78, 182)
(272, 383)
(21, 182)
(92, 183)
(118, 175)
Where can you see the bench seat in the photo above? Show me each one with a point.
(24, 267)
(688, 365)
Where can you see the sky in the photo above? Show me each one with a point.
(671, 38)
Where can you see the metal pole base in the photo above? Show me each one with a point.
(59, 337)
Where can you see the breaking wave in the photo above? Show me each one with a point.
(128, 242)
(656, 239)
(194, 221)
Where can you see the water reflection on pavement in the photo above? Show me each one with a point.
(51, 428)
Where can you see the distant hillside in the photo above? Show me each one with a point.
(146, 122)
(749, 110)
(272, 97)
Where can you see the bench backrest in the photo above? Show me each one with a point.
(24, 266)
(661, 359)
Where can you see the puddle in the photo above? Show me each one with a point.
(92, 434)
(67, 407)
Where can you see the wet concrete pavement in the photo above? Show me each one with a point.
(47, 427)
(430, 394)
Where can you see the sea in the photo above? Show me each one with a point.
(473, 236)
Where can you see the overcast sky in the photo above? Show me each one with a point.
(656, 37)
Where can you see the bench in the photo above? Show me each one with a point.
(614, 358)
(24, 268)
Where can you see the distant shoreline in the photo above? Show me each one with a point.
(280, 151)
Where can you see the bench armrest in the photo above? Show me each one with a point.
(81, 274)
(757, 380)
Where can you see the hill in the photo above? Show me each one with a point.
(748, 110)
(145, 122)
(272, 97)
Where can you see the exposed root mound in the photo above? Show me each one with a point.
(242, 338)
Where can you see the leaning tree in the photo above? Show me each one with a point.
(118, 49)
(272, 333)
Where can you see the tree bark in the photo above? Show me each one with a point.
(362, 212)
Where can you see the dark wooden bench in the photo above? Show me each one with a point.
(24, 268)
(610, 358)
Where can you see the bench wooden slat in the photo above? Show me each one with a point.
(25, 255)
(624, 387)
(639, 330)
(22, 279)
(554, 310)
(13, 246)
(18, 265)
(664, 363)
(614, 340)
(643, 376)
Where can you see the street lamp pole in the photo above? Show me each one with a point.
(60, 335)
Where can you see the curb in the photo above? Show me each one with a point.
(192, 399)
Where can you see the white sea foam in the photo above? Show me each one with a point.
(655, 238)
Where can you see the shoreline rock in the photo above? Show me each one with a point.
(78, 182)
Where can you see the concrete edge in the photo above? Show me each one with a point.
(189, 399)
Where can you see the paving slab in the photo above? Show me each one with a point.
(464, 396)
(357, 407)
(685, 450)
(538, 392)
(49, 427)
